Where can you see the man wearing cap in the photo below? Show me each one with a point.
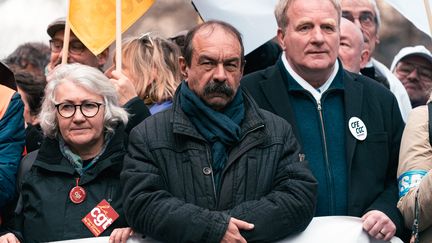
(12, 134)
(78, 52)
(413, 67)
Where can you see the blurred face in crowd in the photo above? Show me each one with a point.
(216, 68)
(28, 118)
(415, 73)
(351, 49)
(78, 52)
(362, 14)
(82, 127)
(311, 38)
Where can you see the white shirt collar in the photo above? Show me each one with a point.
(316, 93)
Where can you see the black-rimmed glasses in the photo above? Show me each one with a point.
(366, 18)
(88, 109)
(75, 46)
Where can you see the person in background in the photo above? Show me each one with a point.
(12, 135)
(413, 67)
(215, 167)
(365, 14)
(264, 56)
(31, 57)
(31, 89)
(349, 126)
(150, 70)
(415, 181)
(352, 51)
(78, 165)
(78, 52)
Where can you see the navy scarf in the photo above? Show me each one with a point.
(220, 129)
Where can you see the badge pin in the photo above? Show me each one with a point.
(357, 128)
(77, 194)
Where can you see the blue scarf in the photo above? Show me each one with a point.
(220, 129)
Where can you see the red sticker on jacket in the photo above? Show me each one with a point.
(100, 218)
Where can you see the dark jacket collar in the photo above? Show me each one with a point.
(51, 159)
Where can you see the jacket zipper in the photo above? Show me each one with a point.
(110, 193)
(212, 174)
(330, 178)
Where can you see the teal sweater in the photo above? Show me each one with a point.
(328, 166)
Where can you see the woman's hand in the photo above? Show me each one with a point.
(124, 86)
(119, 235)
(9, 238)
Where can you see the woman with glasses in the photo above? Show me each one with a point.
(150, 71)
(72, 189)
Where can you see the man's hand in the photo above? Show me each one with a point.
(233, 232)
(378, 225)
(9, 238)
(120, 235)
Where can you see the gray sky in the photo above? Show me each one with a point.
(26, 21)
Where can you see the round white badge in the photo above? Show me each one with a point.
(357, 128)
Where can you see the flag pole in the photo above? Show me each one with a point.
(66, 37)
(118, 36)
(429, 14)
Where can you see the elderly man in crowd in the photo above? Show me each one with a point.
(365, 14)
(413, 67)
(215, 167)
(78, 52)
(349, 125)
(352, 51)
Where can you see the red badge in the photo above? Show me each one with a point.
(100, 218)
(77, 194)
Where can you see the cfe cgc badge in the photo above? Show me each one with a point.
(357, 128)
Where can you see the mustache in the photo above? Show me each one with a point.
(218, 88)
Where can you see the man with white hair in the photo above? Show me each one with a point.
(413, 67)
(365, 14)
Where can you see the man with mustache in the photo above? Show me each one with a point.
(215, 167)
(349, 126)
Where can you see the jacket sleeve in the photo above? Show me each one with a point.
(290, 206)
(387, 200)
(149, 207)
(12, 141)
(137, 110)
(415, 161)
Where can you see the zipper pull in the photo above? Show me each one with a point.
(302, 157)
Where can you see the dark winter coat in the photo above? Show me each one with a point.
(169, 189)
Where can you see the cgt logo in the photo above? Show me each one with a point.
(100, 218)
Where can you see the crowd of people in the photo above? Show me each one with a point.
(191, 140)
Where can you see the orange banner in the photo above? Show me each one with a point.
(94, 21)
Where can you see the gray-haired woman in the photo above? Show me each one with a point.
(72, 189)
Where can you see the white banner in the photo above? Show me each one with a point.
(414, 11)
(253, 18)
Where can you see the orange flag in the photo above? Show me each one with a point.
(94, 21)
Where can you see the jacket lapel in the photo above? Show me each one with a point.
(276, 92)
(353, 108)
